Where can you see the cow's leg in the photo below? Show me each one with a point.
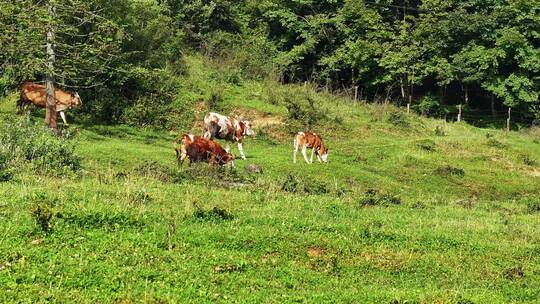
(241, 149)
(304, 153)
(295, 151)
(312, 152)
(319, 158)
(63, 115)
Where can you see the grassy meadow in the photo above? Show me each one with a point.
(408, 210)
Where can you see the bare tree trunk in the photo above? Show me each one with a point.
(466, 94)
(50, 111)
(493, 111)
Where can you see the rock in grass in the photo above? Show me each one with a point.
(252, 168)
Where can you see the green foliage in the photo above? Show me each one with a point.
(450, 171)
(22, 143)
(303, 110)
(429, 105)
(399, 119)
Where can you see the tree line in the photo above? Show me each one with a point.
(430, 54)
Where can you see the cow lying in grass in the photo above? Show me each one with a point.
(200, 149)
(312, 141)
(230, 129)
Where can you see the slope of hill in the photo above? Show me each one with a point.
(408, 209)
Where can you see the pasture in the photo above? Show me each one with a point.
(408, 210)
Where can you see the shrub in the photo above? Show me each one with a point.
(304, 111)
(23, 142)
(429, 105)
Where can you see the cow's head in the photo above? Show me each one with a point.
(227, 159)
(248, 128)
(323, 153)
(76, 100)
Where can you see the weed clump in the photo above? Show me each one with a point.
(294, 184)
(533, 206)
(427, 145)
(215, 213)
(374, 197)
(217, 176)
(304, 112)
(450, 171)
(494, 143)
(439, 131)
(155, 170)
(43, 216)
(528, 160)
(399, 119)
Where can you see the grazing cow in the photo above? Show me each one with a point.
(229, 129)
(313, 141)
(36, 94)
(199, 149)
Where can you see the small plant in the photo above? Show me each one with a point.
(215, 213)
(374, 197)
(439, 131)
(427, 145)
(492, 142)
(399, 119)
(533, 206)
(450, 171)
(290, 184)
(43, 216)
(528, 160)
(139, 197)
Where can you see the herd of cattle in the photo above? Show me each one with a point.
(196, 148)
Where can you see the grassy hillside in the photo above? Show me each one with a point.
(408, 210)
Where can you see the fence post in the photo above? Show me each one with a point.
(355, 93)
(459, 113)
(508, 120)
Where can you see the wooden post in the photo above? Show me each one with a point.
(508, 120)
(327, 89)
(50, 110)
(459, 113)
(409, 104)
(355, 93)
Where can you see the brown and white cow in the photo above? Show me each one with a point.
(200, 149)
(36, 94)
(230, 129)
(312, 141)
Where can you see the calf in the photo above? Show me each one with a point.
(313, 141)
(230, 129)
(199, 149)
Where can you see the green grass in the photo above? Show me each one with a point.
(131, 227)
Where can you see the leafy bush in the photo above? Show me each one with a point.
(429, 105)
(439, 131)
(533, 206)
(23, 143)
(304, 111)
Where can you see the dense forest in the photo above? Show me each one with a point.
(432, 55)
